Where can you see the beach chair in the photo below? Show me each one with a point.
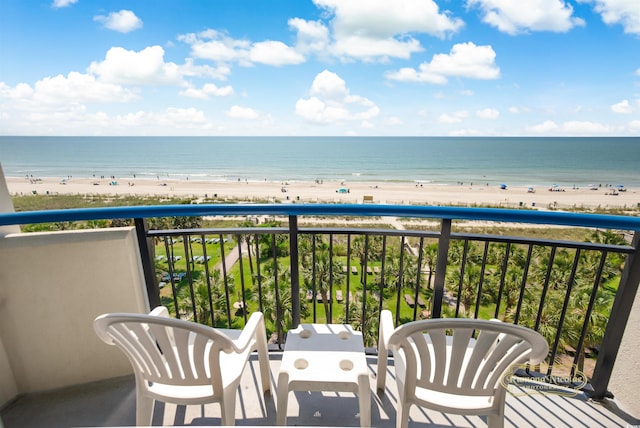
(455, 365)
(354, 270)
(339, 297)
(183, 362)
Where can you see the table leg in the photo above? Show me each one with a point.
(283, 398)
(364, 398)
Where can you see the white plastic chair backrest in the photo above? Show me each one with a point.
(442, 354)
(167, 350)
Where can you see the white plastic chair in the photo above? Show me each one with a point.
(441, 366)
(183, 362)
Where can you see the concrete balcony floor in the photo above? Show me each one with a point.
(112, 403)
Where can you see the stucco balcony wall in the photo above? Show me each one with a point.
(52, 286)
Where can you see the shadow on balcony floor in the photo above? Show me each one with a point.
(112, 403)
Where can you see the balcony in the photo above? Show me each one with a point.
(112, 403)
(52, 285)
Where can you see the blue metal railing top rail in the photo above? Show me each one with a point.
(455, 213)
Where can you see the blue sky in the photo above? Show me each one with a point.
(321, 67)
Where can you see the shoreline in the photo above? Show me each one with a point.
(383, 192)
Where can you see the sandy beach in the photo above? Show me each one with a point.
(337, 192)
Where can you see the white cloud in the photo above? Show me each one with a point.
(312, 36)
(378, 29)
(331, 102)
(585, 128)
(578, 128)
(238, 112)
(488, 113)
(624, 12)
(544, 127)
(60, 90)
(464, 60)
(207, 90)
(274, 53)
(455, 117)
(623, 107)
(146, 67)
(218, 47)
(514, 17)
(380, 19)
(220, 72)
(123, 21)
(63, 3)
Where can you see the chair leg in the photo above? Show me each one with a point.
(282, 390)
(263, 360)
(228, 406)
(144, 410)
(402, 414)
(495, 421)
(381, 375)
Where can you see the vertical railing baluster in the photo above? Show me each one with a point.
(463, 266)
(587, 315)
(225, 279)
(279, 314)
(314, 289)
(545, 287)
(505, 264)
(348, 300)
(441, 267)
(174, 291)
(188, 256)
(381, 281)
(208, 279)
(364, 275)
(523, 284)
(399, 281)
(295, 270)
(240, 261)
(330, 278)
(258, 274)
(148, 266)
(481, 282)
(416, 294)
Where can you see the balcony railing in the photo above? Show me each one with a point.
(577, 294)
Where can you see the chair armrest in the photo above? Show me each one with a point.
(253, 329)
(386, 329)
(160, 311)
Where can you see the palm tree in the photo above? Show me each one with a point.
(368, 322)
(277, 305)
(201, 306)
(325, 272)
(248, 240)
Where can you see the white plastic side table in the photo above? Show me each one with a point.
(324, 357)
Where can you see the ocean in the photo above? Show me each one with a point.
(439, 160)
